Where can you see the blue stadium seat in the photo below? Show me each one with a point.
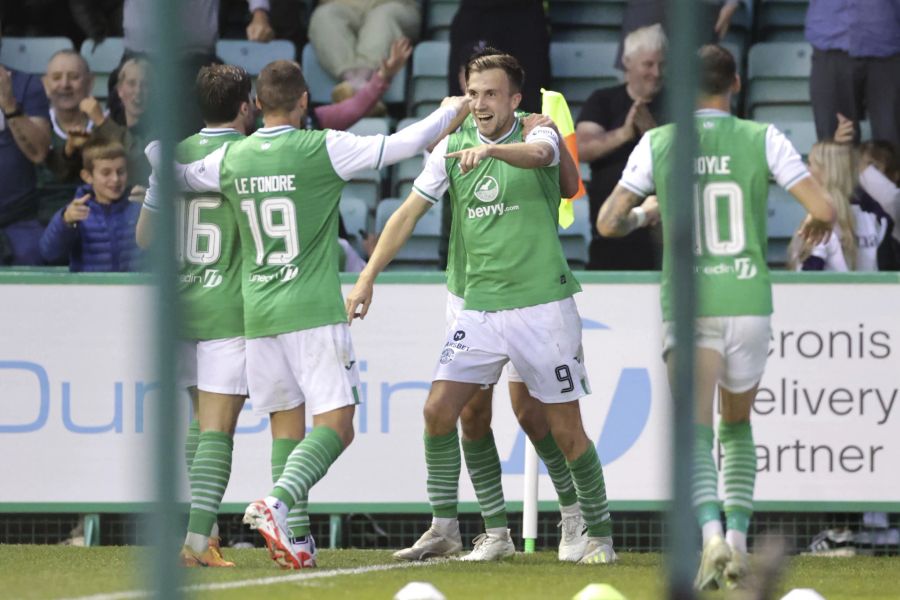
(253, 56)
(576, 238)
(355, 214)
(31, 54)
(421, 251)
(320, 82)
(784, 217)
(579, 68)
(586, 20)
(370, 126)
(103, 59)
(801, 133)
(782, 20)
(429, 76)
(768, 113)
(778, 73)
(438, 17)
(365, 185)
(405, 173)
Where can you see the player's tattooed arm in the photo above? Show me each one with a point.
(624, 211)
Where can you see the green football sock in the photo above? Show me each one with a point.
(587, 475)
(210, 471)
(739, 472)
(443, 463)
(555, 461)
(706, 478)
(298, 517)
(307, 464)
(483, 464)
(190, 443)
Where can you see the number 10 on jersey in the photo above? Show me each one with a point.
(726, 238)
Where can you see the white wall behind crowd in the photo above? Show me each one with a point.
(77, 393)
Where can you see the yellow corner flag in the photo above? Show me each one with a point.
(554, 105)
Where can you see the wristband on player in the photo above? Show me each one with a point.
(640, 216)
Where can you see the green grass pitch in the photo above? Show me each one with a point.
(108, 573)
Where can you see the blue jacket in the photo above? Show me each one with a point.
(103, 242)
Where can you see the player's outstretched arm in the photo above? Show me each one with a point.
(569, 177)
(412, 140)
(396, 232)
(143, 231)
(624, 211)
(817, 225)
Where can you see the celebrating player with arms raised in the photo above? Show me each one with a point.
(285, 184)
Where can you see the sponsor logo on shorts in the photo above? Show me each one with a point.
(459, 335)
(447, 356)
(487, 189)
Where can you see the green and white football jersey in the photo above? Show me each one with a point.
(456, 252)
(505, 222)
(208, 251)
(285, 186)
(729, 205)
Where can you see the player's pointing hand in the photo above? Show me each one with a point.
(359, 299)
(470, 157)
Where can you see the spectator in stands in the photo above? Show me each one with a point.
(879, 178)
(97, 19)
(519, 27)
(197, 47)
(96, 230)
(609, 127)
(349, 105)
(350, 37)
(862, 225)
(287, 18)
(67, 82)
(715, 19)
(24, 142)
(855, 65)
(133, 89)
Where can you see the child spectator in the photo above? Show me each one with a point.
(862, 226)
(95, 232)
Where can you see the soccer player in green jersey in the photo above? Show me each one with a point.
(212, 359)
(518, 303)
(284, 186)
(732, 330)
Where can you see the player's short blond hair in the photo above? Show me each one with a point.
(650, 39)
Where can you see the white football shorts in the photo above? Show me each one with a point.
(743, 341)
(217, 366)
(314, 366)
(454, 306)
(542, 341)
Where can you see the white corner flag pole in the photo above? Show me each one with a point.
(530, 495)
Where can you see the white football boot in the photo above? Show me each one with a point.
(271, 523)
(491, 547)
(716, 555)
(432, 544)
(573, 538)
(598, 552)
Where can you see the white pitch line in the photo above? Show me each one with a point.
(242, 583)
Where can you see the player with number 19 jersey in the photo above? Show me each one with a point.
(735, 160)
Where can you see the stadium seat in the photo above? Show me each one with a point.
(586, 20)
(320, 82)
(784, 217)
(579, 68)
(769, 113)
(779, 74)
(576, 238)
(365, 185)
(429, 76)
(782, 20)
(31, 54)
(438, 17)
(370, 126)
(801, 133)
(103, 59)
(421, 251)
(405, 173)
(253, 56)
(356, 218)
